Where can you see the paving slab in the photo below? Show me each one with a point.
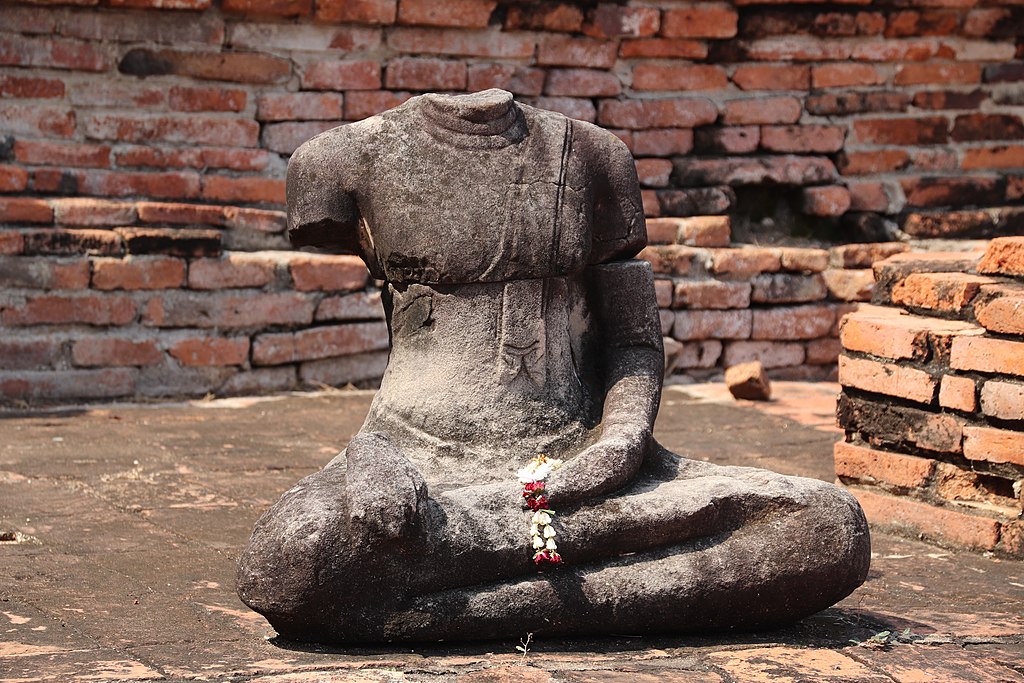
(123, 522)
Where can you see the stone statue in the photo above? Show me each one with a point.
(520, 325)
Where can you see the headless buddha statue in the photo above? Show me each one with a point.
(520, 324)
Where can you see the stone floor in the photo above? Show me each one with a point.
(120, 524)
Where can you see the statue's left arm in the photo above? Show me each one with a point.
(621, 294)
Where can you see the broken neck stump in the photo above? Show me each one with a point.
(521, 325)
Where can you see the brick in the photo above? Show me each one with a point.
(557, 50)
(803, 260)
(1003, 73)
(54, 53)
(11, 243)
(805, 138)
(232, 158)
(563, 17)
(298, 106)
(934, 160)
(797, 49)
(700, 325)
(210, 351)
(947, 292)
(30, 87)
(319, 342)
(342, 75)
(727, 140)
(25, 210)
(60, 309)
(425, 74)
(679, 77)
(227, 310)
(1003, 400)
(846, 103)
(952, 191)
(582, 83)
(138, 272)
(662, 142)
(232, 270)
(257, 220)
(663, 294)
(28, 353)
(903, 131)
(327, 273)
(850, 285)
(770, 354)
(868, 465)
(772, 77)
(180, 214)
(355, 306)
(711, 294)
(745, 262)
(702, 231)
(362, 104)
(761, 110)
(518, 80)
(184, 243)
(37, 120)
(13, 178)
(846, 74)
(748, 381)
(275, 8)
(357, 11)
(260, 381)
(885, 333)
(169, 184)
(236, 67)
(675, 259)
(303, 37)
(958, 393)
(943, 74)
(1003, 256)
(573, 107)
(979, 223)
(792, 322)
(912, 50)
(864, 255)
(206, 99)
(896, 268)
(653, 172)
(699, 201)
(69, 384)
(66, 242)
(873, 162)
(663, 48)
(979, 127)
(62, 154)
(115, 351)
(949, 99)
(987, 355)
(882, 197)
(245, 189)
(1009, 156)
(1001, 309)
(994, 445)
(44, 273)
(791, 288)
(466, 43)
(610, 21)
(83, 211)
(195, 5)
(823, 351)
(177, 128)
(145, 27)
(355, 369)
(928, 521)
(662, 113)
(896, 424)
(286, 137)
(913, 23)
(778, 169)
(708, 20)
(887, 378)
(110, 93)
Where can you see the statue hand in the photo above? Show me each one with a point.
(386, 492)
(605, 466)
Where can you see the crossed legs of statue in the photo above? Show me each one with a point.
(359, 552)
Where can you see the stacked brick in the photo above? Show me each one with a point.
(722, 305)
(104, 299)
(933, 397)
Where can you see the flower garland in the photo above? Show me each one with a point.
(541, 531)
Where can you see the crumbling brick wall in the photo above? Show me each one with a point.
(143, 145)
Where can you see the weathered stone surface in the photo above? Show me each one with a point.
(520, 323)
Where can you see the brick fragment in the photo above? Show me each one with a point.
(327, 272)
(890, 379)
(138, 272)
(210, 351)
(1003, 400)
(948, 292)
(237, 67)
(985, 354)
(792, 322)
(227, 310)
(748, 381)
(707, 20)
(67, 242)
(700, 325)
(185, 243)
(1003, 256)
(994, 445)
(958, 393)
(233, 270)
(711, 294)
(868, 465)
(770, 354)
(319, 342)
(850, 285)
(661, 113)
(922, 520)
(44, 273)
(895, 424)
(62, 309)
(115, 351)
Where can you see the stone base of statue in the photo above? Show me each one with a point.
(520, 325)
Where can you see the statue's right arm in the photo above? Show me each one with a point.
(322, 211)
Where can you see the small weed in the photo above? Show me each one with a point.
(524, 647)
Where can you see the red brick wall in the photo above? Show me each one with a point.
(143, 145)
